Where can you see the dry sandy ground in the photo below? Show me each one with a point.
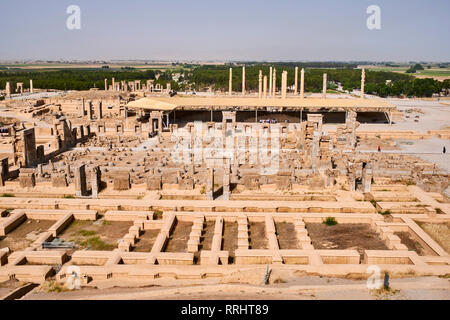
(300, 288)
(429, 150)
(433, 116)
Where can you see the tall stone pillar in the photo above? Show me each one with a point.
(367, 174)
(210, 184)
(106, 84)
(80, 181)
(8, 89)
(31, 86)
(226, 182)
(265, 87)
(302, 83)
(89, 109)
(243, 80)
(99, 110)
(352, 181)
(315, 150)
(324, 86)
(270, 81)
(274, 82)
(82, 108)
(29, 147)
(4, 170)
(296, 81)
(68, 169)
(230, 82)
(363, 81)
(284, 84)
(260, 84)
(95, 181)
(114, 84)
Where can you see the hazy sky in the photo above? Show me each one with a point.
(226, 30)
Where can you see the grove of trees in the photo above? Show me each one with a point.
(216, 77)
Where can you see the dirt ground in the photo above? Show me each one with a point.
(229, 238)
(22, 236)
(408, 241)
(287, 238)
(257, 235)
(357, 236)
(96, 235)
(179, 237)
(439, 232)
(146, 240)
(207, 235)
(8, 286)
(292, 288)
(370, 144)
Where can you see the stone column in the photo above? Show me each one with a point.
(284, 85)
(8, 89)
(99, 110)
(31, 86)
(351, 125)
(82, 108)
(324, 86)
(270, 81)
(29, 147)
(352, 181)
(4, 170)
(226, 182)
(302, 83)
(114, 84)
(260, 85)
(367, 174)
(68, 169)
(89, 111)
(315, 151)
(274, 82)
(243, 80)
(265, 87)
(296, 81)
(106, 84)
(363, 81)
(210, 184)
(80, 181)
(230, 82)
(95, 181)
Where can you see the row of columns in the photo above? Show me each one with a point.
(262, 83)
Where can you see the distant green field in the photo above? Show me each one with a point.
(388, 69)
(435, 72)
(112, 66)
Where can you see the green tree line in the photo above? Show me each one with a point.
(216, 77)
